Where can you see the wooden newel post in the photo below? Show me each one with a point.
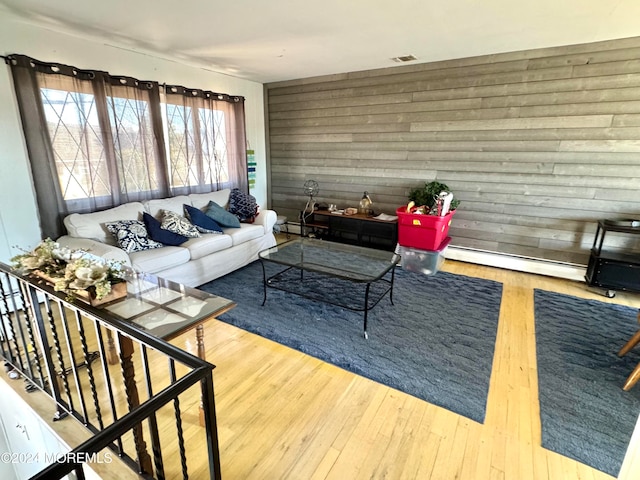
(125, 345)
(112, 354)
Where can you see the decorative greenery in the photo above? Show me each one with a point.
(427, 196)
(47, 257)
(71, 270)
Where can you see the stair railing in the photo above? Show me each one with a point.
(63, 349)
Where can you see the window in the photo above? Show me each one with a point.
(200, 138)
(133, 139)
(102, 134)
(197, 147)
(76, 137)
(97, 140)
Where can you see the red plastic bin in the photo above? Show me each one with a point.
(425, 232)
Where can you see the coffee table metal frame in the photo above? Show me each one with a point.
(357, 265)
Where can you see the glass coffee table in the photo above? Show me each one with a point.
(352, 277)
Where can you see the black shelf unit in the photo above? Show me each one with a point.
(614, 270)
(355, 229)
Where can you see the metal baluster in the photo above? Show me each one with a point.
(32, 342)
(23, 352)
(5, 317)
(153, 424)
(107, 380)
(211, 426)
(92, 382)
(17, 357)
(31, 309)
(54, 389)
(42, 335)
(56, 344)
(176, 406)
(79, 471)
(74, 368)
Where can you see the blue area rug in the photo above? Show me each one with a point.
(436, 343)
(584, 411)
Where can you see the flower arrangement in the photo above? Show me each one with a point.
(70, 270)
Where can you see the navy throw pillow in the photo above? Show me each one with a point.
(203, 223)
(221, 216)
(243, 206)
(160, 234)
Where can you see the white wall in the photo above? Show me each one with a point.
(631, 466)
(18, 214)
(7, 472)
(27, 435)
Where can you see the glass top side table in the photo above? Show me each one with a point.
(165, 309)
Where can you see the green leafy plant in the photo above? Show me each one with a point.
(428, 194)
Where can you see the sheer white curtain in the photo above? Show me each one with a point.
(96, 140)
(206, 140)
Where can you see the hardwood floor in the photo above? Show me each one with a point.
(285, 415)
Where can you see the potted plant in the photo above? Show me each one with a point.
(424, 222)
(74, 272)
(425, 198)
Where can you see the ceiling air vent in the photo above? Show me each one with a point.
(404, 58)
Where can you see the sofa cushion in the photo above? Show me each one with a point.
(221, 216)
(101, 249)
(159, 234)
(245, 233)
(93, 225)
(202, 222)
(207, 244)
(178, 224)
(201, 200)
(153, 261)
(243, 206)
(173, 204)
(132, 235)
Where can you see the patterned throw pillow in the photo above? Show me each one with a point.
(243, 206)
(132, 235)
(221, 216)
(203, 223)
(178, 224)
(159, 234)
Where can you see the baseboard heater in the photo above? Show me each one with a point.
(540, 266)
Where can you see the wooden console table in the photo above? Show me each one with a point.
(357, 229)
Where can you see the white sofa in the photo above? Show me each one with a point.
(193, 263)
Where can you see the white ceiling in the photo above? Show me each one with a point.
(275, 40)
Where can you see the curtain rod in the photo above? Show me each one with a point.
(167, 88)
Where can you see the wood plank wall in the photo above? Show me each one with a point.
(538, 145)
